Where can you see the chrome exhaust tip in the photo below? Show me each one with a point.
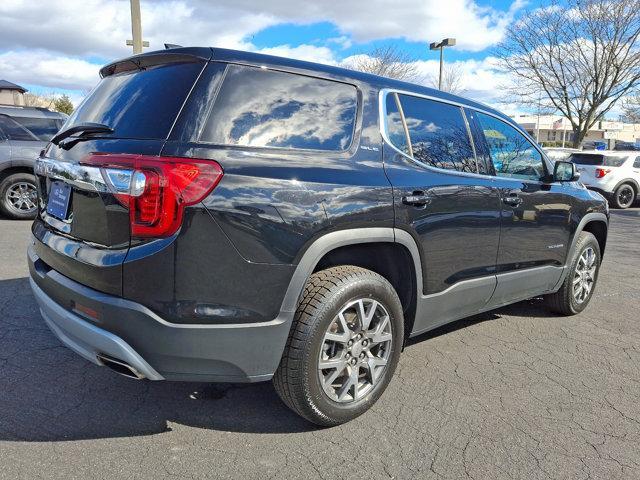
(119, 366)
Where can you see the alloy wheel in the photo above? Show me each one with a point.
(22, 197)
(355, 350)
(625, 196)
(584, 275)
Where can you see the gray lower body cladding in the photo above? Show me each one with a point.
(130, 332)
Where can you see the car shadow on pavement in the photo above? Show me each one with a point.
(48, 393)
(528, 308)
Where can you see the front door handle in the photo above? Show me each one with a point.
(512, 199)
(416, 199)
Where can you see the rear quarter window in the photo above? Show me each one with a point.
(43, 128)
(614, 161)
(140, 104)
(14, 131)
(264, 108)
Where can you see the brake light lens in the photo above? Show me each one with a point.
(156, 189)
(601, 172)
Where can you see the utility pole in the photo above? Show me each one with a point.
(538, 117)
(447, 42)
(136, 28)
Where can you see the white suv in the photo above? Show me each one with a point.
(615, 174)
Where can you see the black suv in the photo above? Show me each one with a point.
(221, 216)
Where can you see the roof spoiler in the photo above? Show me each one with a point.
(149, 59)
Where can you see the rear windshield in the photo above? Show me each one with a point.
(264, 108)
(599, 160)
(139, 103)
(43, 128)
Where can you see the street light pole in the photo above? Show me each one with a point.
(441, 61)
(447, 42)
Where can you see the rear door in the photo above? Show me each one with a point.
(636, 168)
(535, 213)
(21, 145)
(83, 228)
(5, 149)
(446, 200)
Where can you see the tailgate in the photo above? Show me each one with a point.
(83, 224)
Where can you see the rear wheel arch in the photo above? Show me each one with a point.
(631, 181)
(376, 249)
(15, 168)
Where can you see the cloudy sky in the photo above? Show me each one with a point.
(59, 45)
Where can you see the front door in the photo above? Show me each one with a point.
(446, 201)
(535, 212)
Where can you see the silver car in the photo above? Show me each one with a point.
(24, 132)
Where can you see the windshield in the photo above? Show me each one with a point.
(43, 128)
(597, 159)
(140, 103)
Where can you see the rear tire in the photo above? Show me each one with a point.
(580, 281)
(349, 320)
(18, 196)
(624, 196)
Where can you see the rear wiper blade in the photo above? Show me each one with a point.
(81, 128)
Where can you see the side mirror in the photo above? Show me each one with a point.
(565, 172)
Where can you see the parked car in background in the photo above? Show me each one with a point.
(24, 132)
(273, 218)
(614, 174)
(556, 154)
(594, 145)
(634, 146)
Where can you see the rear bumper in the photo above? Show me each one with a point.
(88, 340)
(129, 332)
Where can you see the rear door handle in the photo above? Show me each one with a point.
(512, 199)
(417, 199)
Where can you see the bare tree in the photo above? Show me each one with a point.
(452, 79)
(580, 56)
(387, 61)
(35, 100)
(631, 109)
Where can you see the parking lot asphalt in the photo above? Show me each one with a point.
(513, 393)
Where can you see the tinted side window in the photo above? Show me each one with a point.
(512, 154)
(15, 131)
(438, 133)
(265, 108)
(610, 161)
(395, 129)
(484, 162)
(636, 163)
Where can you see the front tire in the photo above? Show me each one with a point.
(19, 196)
(580, 282)
(624, 196)
(343, 347)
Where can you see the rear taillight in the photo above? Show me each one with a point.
(601, 172)
(156, 189)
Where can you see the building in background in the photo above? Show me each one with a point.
(11, 94)
(555, 131)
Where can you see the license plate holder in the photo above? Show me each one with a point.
(59, 198)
